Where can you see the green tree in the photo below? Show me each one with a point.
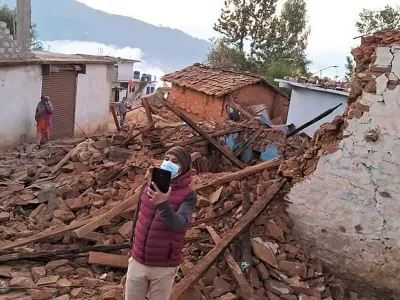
(375, 20)
(223, 56)
(288, 35)
(235, 21)
(263, 17)
(277, 42)
(8, 15)
(349, 68)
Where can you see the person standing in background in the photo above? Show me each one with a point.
(122, 109)
(43, 117)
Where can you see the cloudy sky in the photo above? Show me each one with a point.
(332, 22)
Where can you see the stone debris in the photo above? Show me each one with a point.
(40, 195)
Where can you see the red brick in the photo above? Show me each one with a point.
(126, 230)
(355, 113)
(272, 230)
(293, 268)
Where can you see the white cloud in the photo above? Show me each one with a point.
(332, 22)
(78, 47)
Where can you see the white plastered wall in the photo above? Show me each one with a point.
(349, 209)
(93, 100)
(20, 91)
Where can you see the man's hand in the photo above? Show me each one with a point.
(156, 196)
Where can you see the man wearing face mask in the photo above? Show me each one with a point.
(159, 228)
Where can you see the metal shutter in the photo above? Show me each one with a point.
(61, 88)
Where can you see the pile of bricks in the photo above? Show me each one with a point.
(51, 195)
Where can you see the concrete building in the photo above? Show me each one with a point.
(348, 210)
(206, 92)
(150, 83)
(79, 88)
(309, 101)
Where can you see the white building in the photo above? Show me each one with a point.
(309, 101)
(79, 88)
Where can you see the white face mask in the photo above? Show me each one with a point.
(170, 166)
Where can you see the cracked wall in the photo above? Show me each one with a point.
(349, 209)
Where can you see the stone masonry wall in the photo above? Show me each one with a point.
(8, 46)
(349, 209)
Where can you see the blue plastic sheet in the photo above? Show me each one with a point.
(271, 152)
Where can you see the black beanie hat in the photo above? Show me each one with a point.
(183, 157)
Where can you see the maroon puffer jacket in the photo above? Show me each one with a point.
(154, 244)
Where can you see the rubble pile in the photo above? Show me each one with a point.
(326, 140)
(366, 69)
(66, 215)
(276, 268)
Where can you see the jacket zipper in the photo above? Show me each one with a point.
(145, 242)
(169, 253)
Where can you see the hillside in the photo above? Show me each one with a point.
(71, 20)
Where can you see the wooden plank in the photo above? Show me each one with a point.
(108, 260)
(112, 213)
(201, 267)
(44, 235)
(146, 105)
(62, 162)
(246, 144)
(53, 254)
(114, 114)
(200, 131)
(82, 228)
(246, 237)
(247, 291)
(269, 165)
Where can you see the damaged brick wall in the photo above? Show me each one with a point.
(261, 94)
(209, 107)
(197, 103)
(8, 47)
(349, 208)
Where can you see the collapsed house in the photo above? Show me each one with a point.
(207, 93)
(66, 210)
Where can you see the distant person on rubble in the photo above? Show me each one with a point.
(159, 227)
(122, 109)
(43, 117)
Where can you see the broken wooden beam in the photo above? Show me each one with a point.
(269, 165)
(202, 266)
(44, 235)
(248, 143)
(108, 260)
(247, 291)
(112, 213)
(51, 254)
(62, 162)
(83, 228)
(146, 105)
(200, 131)
(246, 237)
(114, 114)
